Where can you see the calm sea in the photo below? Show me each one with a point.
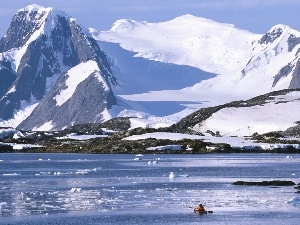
(120, 189)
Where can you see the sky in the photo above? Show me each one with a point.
(257, 16)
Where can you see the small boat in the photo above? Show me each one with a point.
(202, 212)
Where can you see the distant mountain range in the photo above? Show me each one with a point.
(54, 73)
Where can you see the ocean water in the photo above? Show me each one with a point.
(117, 189)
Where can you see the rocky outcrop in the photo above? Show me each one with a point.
(265, 183)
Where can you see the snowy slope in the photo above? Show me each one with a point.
(185, 40)
(277, 114)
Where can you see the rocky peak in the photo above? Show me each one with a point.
(41, 44)
(273, 34)
(24, 23)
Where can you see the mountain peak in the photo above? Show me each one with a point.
(125, 24)
(35, 10)
(34, 7)
(279, 27)
(26, 22)
(274, 33)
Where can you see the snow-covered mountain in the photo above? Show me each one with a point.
(50, 66)
(244, 64)
(241, 65)
(54, 73)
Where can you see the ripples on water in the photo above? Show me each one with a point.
(77, 188)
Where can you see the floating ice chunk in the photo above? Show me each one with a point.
(137, 159)
(2, 204)
(74, 190)
(294, 200)
(154, 162)
(45, 173)
(11, 174)
(81, 172)
(172, 175)
(184, 175)
(139, 155)
(60, 173)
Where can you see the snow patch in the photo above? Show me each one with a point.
(74, 136)
(45, 127)
(20, 115)
(33, 7)
(76, 75)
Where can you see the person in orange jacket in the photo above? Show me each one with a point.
(200, 208)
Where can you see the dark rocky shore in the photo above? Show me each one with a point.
(116, 130)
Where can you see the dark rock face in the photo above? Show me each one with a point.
(293, 41)
(293, 131)
(22, 26)
(7, 77)
(295, 82)
(282, 73)
(285, 71)
(271, 36)
(61, 44)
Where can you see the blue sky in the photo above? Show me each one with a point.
(257, 16)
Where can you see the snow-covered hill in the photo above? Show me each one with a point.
(186, 40)
(278, 113)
